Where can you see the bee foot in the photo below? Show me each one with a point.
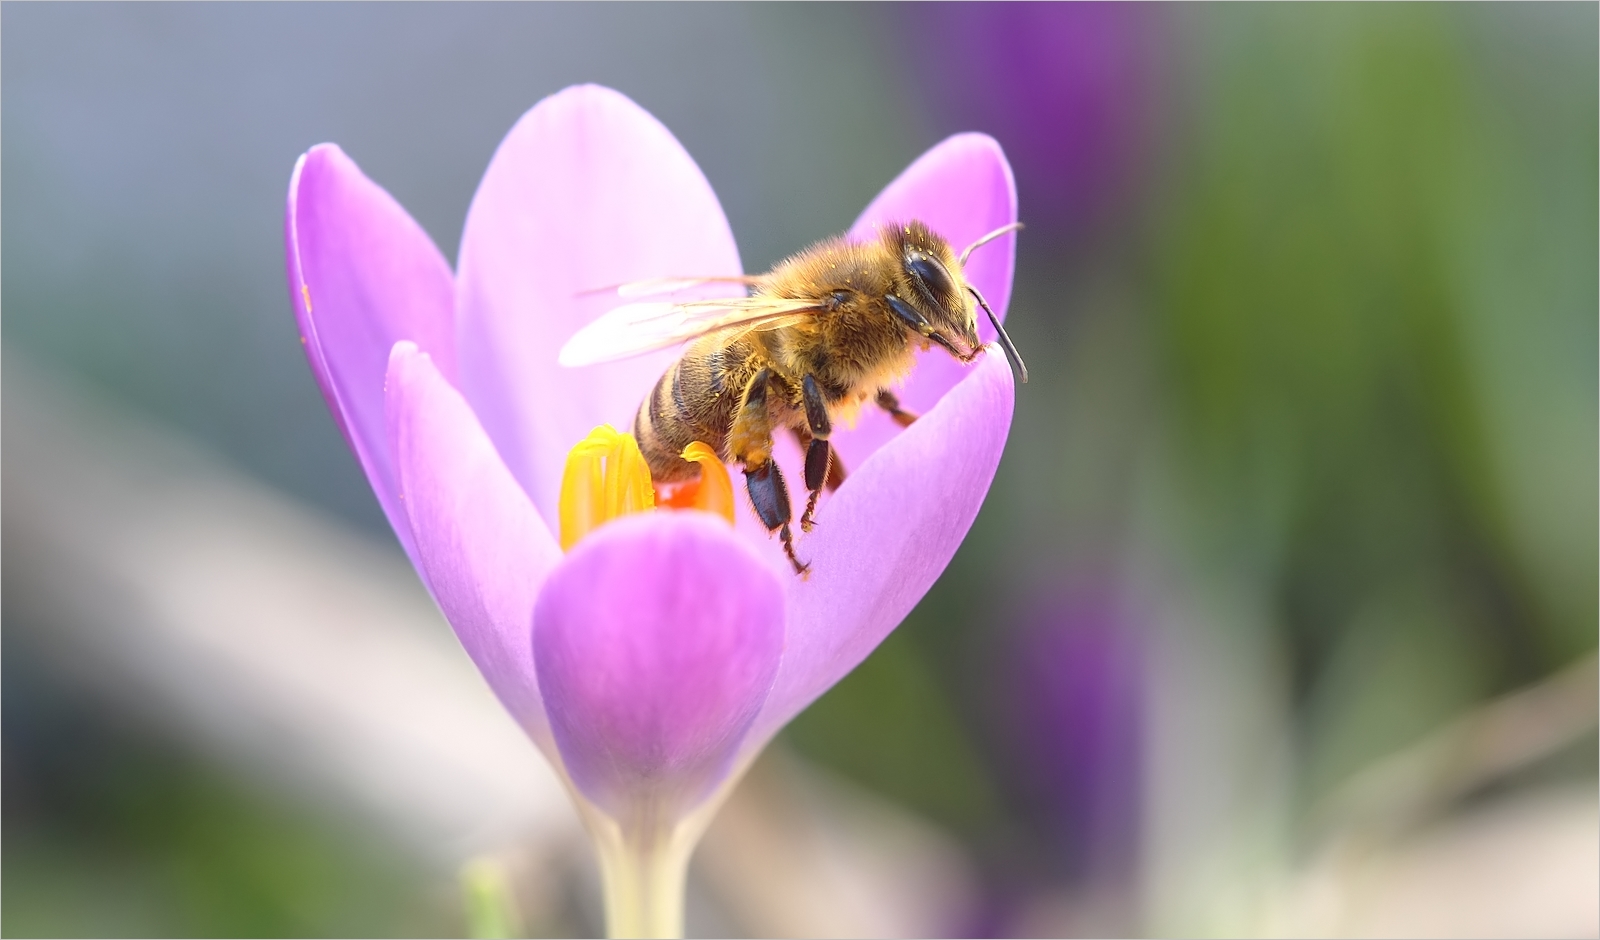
(807, 520)
(800, 568)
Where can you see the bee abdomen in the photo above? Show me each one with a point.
(660, 432)
(692, 401)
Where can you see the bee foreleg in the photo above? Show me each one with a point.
(890, 403)
(750, 438)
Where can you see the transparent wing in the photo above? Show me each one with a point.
(639, 328)
(667, 285)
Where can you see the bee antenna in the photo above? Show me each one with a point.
(986, 239)
(1005, 340)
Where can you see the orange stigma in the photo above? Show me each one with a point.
(606, 476)
(713, 492)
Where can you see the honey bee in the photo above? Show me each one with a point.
(816, 338)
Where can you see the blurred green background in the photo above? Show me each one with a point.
(1306, 472)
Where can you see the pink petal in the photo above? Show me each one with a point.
(656, 644)
(587, 191)
(480, 545)
(963, 189)
(362, 275)
(886, 536)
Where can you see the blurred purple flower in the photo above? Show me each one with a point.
(1065, 85)
(652, 662)
(1075, 711)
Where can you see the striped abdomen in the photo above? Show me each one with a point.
(694, 400)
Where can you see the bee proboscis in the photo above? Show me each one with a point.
(821, 334)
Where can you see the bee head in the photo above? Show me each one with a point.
(929, 280)
(933, 297)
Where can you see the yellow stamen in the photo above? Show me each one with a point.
(713, 492)
(605, 477)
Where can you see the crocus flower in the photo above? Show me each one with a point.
(1073, 713)
(652, 661)
(1070, 87)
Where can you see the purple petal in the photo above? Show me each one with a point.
(656, 644)
(885, 537)
(588, 191)
(480, 545)
(963, 189)
(362, 276)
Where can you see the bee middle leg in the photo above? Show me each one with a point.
(819, 453)
(750, 441)
(836, 471)
(889, 402)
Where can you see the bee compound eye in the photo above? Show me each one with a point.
(930, 273)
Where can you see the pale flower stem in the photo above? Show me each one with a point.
(645, 860)
(644, 874)
(644, 857)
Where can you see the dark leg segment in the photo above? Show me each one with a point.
(816, 409)
(836, 473)
(818, 461)
(818, 452)
(890, 403)
(817, 456)
(770, 496)
(750, 440)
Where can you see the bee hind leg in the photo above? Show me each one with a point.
(770, 496)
